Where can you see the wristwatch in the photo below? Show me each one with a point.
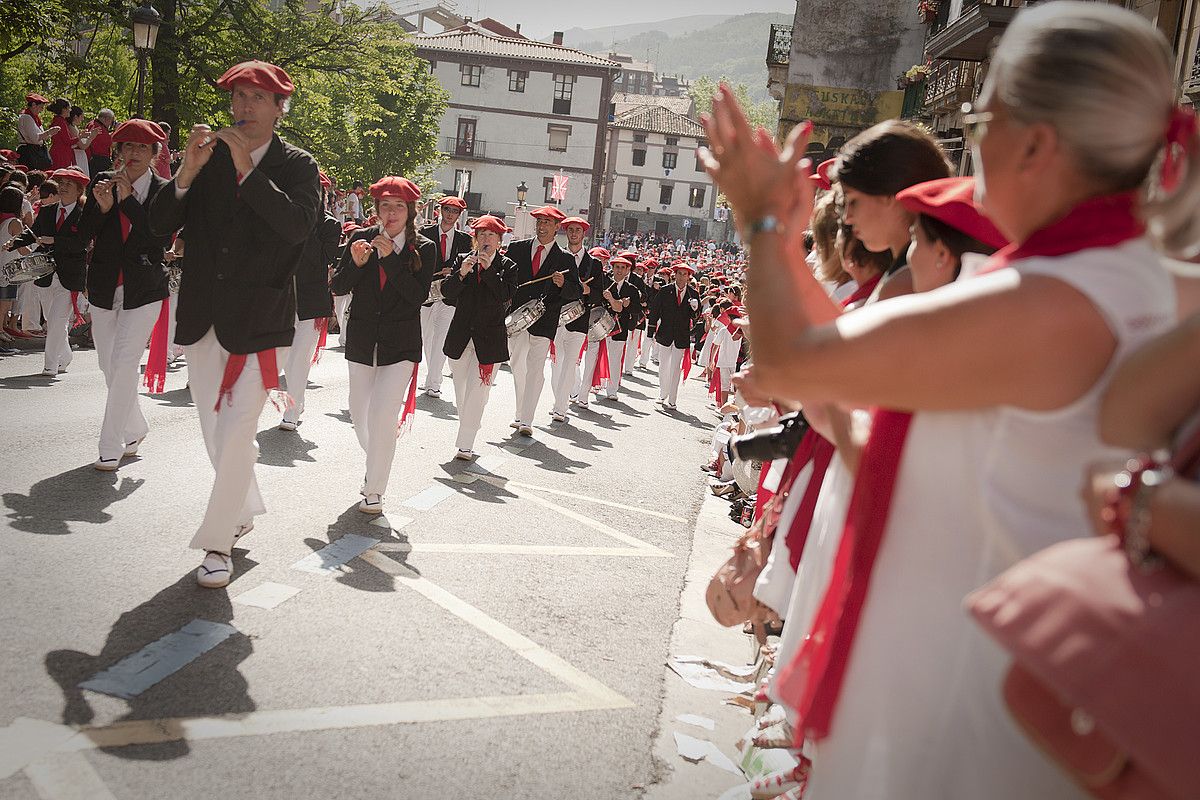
(767, 224)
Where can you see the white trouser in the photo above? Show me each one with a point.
(727, 369)
(470, 395)
(340, 304)
(527, 357)
(56, 306)
(564, 369)
(229, 438)
(120, 336)
(631, 352)
(173, 350)
(435, 324)
(655, 350)
(298, 364)
(646, 346)
(670, 370)
(377, 396)
(29, 306)
(615, 349)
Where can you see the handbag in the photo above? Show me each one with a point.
(730, 593)
(1106, 653)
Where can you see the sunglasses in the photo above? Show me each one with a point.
(974, 123)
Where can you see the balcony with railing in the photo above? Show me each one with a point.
(951, 84)
(463, 148)
(1191, 84)
(779, 47)
(969, 36)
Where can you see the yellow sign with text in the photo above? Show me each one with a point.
(828, 106)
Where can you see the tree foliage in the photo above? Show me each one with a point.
(763, 113)
(365, 105)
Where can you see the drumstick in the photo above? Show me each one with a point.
(539, 280)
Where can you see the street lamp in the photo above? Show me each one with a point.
(145, 21)
(522, 190)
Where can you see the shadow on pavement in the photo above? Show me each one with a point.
(579, 437)
(78, 495)
(176, 398)
(209, 685)
(35, 380)
(355, 573)
(600, 420)
(548, 458)
(341, 416)
(480, 490)
(278, 448)
(436, 407)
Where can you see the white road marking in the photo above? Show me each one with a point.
(596, 525)
(267, 595)
(67, 776)
(137, 672)
(598, 501)
(429, 498)
(333, 556)
(519, 549)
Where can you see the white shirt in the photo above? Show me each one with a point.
(141, 187)
(397, 240)
(256, 155)
(353, 206)
(28, 130)
(577, 255)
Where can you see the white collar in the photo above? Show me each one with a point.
(68, 209)
(141, 187)
(398, 241)
(256, 155)
(537, 244)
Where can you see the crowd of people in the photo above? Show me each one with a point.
(937, 364)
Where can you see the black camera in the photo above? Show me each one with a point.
(771, 443)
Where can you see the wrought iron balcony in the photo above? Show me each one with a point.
(968, 36)
(951, 84)
(463, 148)
(779, 48)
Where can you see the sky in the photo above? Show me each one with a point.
(539, 18)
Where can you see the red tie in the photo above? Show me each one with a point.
(443, 246)
(62, 215)
(537, 259)
(125, 226)
(679, 299)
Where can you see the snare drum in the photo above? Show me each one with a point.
(571, 312)
(524, 316)
(435, 291)
(600, 324)
(23, 269)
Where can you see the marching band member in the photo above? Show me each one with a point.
(388, 267)
(672, 315)
(480, 288)
(637, 350)
(56, 229)
(603, 366)
(436, 314)
(570, 338)
(314, 305)
(126, 283)
(341, 302)
(249, 201)
(545, 271)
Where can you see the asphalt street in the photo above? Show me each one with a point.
(500, 633)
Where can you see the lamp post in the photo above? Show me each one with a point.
(522, 190)
(145, 20)
(522, 222)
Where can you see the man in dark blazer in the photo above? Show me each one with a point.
(314, 306)
(543, 271)
(674, 311)
(55, 231)
(127, 286)
(569, 339)
(436, 314)
(249, 201)
(637, 350)
(620, 298)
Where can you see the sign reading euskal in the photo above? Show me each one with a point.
(840, 107)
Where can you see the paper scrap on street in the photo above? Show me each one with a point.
(697, 750)
(715, 675)
(698, 721)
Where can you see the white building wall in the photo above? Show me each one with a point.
(652, 175)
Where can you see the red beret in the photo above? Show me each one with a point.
(70, 174)
(952, 201)
(577, 221)
(324, 179)
(630, 254)
(549, 212)
(34, 97)
(489, 223)
(649, 263)
(625, 262)
(139, 131)
(821, 176)
(678, 265)
(451, 200)
(600, 252)
(258, 73)
(395, 186)
(11, 155)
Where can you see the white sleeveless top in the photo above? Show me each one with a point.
(8, 255)
(921, 714)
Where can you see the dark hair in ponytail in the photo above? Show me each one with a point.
(888, 157)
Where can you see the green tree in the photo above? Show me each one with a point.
(764, 112)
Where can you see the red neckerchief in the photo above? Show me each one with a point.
(36, 117)
(862, 292)
(812, 681)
